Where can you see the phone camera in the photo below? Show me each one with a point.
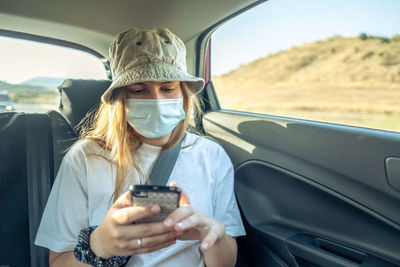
(140, 194)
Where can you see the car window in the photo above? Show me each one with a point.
(4, 96)
(30, 73)
(329, 61)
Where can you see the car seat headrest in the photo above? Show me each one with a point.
(78, 97)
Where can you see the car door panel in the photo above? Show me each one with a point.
(328, 181)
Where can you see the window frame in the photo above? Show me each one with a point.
(209, 94)
(203, 58)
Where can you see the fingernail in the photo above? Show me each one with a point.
(205, 245)
(180, 225)
(168, 222)
(154, 208)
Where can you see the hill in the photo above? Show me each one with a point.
(45, 82)
(26, 93)
(337, 61)
(355, 74)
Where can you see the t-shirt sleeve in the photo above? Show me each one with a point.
(66, 211)
(225, 207)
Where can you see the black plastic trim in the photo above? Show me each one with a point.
(284, 204)
(323, 188)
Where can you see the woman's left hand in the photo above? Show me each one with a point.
(192, 224)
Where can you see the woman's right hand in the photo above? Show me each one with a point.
(118, 236)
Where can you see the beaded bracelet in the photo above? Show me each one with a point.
(84, 254)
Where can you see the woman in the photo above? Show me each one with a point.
(145, 110)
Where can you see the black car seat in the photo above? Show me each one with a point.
(26, 169)
(14, 230)
(31, 149)
(79, 99)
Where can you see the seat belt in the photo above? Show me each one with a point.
(164, 165)
(39, 167)
(162, 170)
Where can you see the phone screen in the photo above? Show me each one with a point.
(167, 197)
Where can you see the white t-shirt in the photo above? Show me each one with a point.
(85, 182)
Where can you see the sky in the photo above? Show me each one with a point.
(277, 25)
(273, 26)
(22, 60)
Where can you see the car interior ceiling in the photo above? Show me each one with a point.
(53, 18)
(36, 144)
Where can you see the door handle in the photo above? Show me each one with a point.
(308, 250)
(392, 166)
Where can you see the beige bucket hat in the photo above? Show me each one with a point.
(140, 55)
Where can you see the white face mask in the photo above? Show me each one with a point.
(154, 118)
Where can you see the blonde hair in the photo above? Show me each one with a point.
(110, 129)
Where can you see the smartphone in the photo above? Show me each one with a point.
(167, 197)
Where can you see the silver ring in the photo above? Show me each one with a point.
(139, 243)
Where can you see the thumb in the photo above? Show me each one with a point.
(184, 201)
(123, 201)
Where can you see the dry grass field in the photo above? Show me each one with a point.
(354, 81)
